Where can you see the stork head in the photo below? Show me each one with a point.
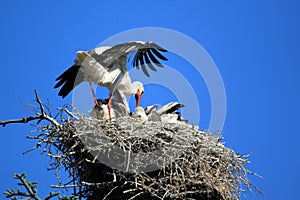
(139, 114)
(138, 91)
(81, 55)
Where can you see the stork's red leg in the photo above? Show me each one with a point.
(109, 106)
(93, 91)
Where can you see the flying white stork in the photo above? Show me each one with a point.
(106, 66)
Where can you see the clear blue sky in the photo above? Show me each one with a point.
(255, 45)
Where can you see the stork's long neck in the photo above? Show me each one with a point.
(125, 84)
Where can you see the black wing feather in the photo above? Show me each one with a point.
(174, 109)
(159, 55)
(149, 62)
(68, 80)
(156, 46)
(154, 60)
(141, 59)
(136, 60)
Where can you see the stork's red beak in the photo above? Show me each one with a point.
(138, 98)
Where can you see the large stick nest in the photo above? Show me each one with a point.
(128, 159)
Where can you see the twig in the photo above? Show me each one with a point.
(44, 114)
(107, 195)
(22, 120)
(30, 189)
(40, 117)
(68, 112)
(128, 158)
(133, 197)
(65, 186)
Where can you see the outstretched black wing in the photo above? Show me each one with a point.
(145, 54)
(68, 80)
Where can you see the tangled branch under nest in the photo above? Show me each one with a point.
(128, 159)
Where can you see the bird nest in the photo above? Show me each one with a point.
(130, 159)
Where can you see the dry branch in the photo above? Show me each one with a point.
(39, 116)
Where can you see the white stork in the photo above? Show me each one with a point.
(167, 114)
(106, 66)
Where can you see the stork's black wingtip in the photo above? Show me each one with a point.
(162, 50)
(62, 96)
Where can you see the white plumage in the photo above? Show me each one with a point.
(167, 114)
(139, 114)
(106, 66)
